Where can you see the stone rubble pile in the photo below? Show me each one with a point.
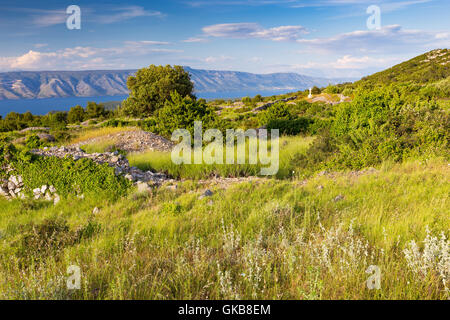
(113, 159)
(46, 192)
(12, 187)
(267, 105)
(133, 141)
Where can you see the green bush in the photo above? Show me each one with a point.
(277, 111)
(180, 113)
(71, 177)
(290, 127)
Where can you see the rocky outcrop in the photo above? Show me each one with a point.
(113, 159)
(12, 187)
(267, 105)
(132, 141)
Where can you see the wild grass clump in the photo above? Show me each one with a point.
(290, 147)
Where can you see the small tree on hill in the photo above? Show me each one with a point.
(152, 86)
(76, 114)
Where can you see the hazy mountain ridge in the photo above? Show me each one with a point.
(59, 84)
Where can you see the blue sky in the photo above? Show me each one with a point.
(321, 38)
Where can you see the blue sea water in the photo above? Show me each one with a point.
(44, 106)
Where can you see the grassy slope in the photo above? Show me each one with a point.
(420, 69)
(276, 239)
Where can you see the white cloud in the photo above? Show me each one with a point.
(195, 40)
(46, 18)
(79, 58)
(221, 58)
(125, 13)
(147, 43)
(389, 38)
(248, 30)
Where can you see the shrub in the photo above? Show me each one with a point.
(152, 86)
(277, 111)
(71, 177)
(290, 127)
(180, 113)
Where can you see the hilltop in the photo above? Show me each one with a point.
(428, 67)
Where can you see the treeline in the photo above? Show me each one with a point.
(59, 119)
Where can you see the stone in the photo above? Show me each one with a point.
(11, 185)
(207, 193)
(114, 159)
(338, 198)
(95, 210)
(37, 191)
(143, 187)
(46, 137)
(4, 191)
(44, 188)
(48, 196)
(52, 189)
(56, 199)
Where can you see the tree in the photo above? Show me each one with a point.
(94, 110)
(152, 86)
(246, 100)
(180, 113)
(76, 114)
(315, 90)
(257, 98)
(277, 111)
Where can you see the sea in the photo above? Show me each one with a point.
(44, 106)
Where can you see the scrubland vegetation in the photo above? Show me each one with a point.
(363, 182)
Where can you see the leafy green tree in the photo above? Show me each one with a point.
(277, 111)
(181, 112)
(76, 114)
(94, 110)
(315, 90)
(246, 100)
(152, 86)
(257, 98)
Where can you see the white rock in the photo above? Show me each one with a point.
(56, 199)
(52, 189)
(44, 188)
(48, 196)
(37, 191)
(143, 187)
(96, 210)
(11, 185)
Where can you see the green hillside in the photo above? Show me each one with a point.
(429, 67)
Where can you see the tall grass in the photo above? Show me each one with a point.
(267, 240)
(162, 162)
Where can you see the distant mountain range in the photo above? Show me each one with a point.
(59, 84)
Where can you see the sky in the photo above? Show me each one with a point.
(327, 38)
